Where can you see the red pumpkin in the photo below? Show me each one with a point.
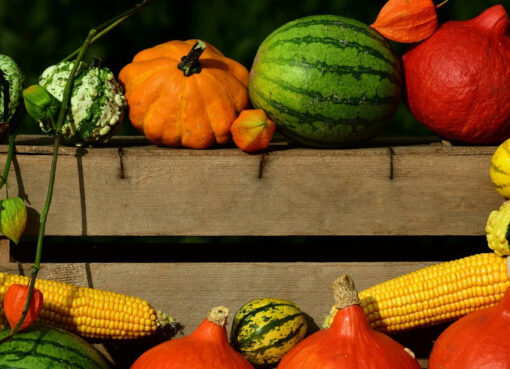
(206, 348)
(480, 340)
(14, 304)
(349, 343)
(458, 80)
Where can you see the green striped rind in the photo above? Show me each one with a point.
(11, 87)
(327, 81)
(46, 347)
(264, 330)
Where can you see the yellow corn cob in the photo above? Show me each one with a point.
(435, 294)
(90, 312)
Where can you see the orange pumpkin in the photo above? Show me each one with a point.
(349, 343)
(184, 93)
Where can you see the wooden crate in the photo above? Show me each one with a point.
(131, 188)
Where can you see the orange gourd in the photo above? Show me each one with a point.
(406, 21)
(184, 93)
(252, 130)
(14, 303)
(480, 340)
(349, 343)
(206, 348)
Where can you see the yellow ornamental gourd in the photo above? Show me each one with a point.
(497, 229)
(500, 169)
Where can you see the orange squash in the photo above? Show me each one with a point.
(252, 130)
(349, 343)
(206, 347)
(479, 340)
(184, 93)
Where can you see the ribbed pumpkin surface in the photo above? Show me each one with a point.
(326, 81)
(264, 330)
(41, 347)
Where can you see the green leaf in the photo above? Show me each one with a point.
(13, 218)
(41, 105)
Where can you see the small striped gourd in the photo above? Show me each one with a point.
(91, 312)
(97, 103)
(265, 329)
(11, 87)
(42, 346)
(326, 81)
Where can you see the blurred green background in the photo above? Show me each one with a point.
(40, 33)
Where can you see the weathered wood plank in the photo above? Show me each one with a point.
(187, 291)
(5, 250)
(140, 189)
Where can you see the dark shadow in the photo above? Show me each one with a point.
(19, 180)
(421, 344)
(80, 152)
(125, 352)
(88, 272)
(33, 221)
(239, 249)
(312, 326)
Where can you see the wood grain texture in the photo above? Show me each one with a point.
(187, 291)
(5, 250)
(133, 188)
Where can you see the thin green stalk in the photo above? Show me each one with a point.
(7, 166)
(44, 214)
(93, 35)
(112, 23)
(12, 131)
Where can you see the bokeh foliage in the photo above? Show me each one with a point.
(40, 33)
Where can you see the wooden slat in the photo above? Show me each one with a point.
(187, 291)
(5, 250)
(139, 189)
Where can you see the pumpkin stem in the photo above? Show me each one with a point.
(189, 63)
(218, 315)
(345, 292)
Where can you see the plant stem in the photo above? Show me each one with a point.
(92, 36)
(190, 64)
(441, 4)
(44, 214)
(111, 24)
(10, 152)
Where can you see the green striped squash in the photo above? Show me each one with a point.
(44, 347)
(327, 81)
(11, 87)
(265, 329)
(97, 103)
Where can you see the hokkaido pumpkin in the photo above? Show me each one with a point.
(184, 93)
(458, 80)
(206, 348)
(349, 343)
(480, 340)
